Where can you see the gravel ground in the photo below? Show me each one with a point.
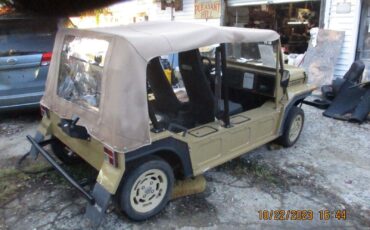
(13, 129)
(327, 169)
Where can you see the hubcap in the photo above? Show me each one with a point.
(295, 128)
(148, 191)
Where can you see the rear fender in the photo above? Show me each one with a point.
(43, 130)
(166, 146)
(45, 126)
(109, 176)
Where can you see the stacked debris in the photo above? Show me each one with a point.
(346, 98)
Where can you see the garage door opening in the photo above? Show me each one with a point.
(292, 20)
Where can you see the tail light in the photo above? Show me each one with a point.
(111, 157)
(46, 58)
(44, 111)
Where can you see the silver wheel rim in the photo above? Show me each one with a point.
(148, 191)
(295, 128)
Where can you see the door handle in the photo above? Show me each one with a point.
(11, 61)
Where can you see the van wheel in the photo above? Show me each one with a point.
(65, 154)
(146, 189)
(293, 127)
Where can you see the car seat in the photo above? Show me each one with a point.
(165, 99)
(166, 108)
(198, 87)
(353, 75)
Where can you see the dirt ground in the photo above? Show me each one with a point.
(327, 169)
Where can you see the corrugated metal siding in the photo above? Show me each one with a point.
(349, 24)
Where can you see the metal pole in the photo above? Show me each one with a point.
(172, 10)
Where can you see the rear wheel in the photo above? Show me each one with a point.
(65, 154)
(293, 127)
(146, 189)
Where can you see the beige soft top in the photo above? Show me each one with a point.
(122, 121)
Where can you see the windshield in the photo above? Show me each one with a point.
(261, 53)
(81, 70)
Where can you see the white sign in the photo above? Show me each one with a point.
(343, 8)
(207, 9)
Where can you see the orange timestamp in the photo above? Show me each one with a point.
(308, 214)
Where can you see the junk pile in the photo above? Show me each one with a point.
(346, 98)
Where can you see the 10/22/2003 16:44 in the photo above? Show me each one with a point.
(308, 214)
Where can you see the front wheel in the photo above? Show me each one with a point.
(293, 127)
(146, 189)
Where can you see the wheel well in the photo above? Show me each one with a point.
(171, 158)
(295, 102)
(299, 101)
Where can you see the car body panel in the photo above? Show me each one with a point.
(22, 75)
(89, 150)
(23, 82)
(257, 127)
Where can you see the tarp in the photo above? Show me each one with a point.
(121, 121)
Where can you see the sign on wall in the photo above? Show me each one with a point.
(343, 8)
(176, 4)
(207, 9)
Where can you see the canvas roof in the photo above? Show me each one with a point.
(151, 39)
(122, 122)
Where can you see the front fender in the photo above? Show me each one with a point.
(297, 99)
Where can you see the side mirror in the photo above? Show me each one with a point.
(285, 79)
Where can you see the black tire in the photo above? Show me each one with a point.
(286, 139)
(134, 179)
(64, 154)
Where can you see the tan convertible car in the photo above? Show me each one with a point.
(109, 103)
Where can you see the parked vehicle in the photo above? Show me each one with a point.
(25, 53)
(97, 108)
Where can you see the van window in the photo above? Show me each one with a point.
(81, 70)
(27, 36)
